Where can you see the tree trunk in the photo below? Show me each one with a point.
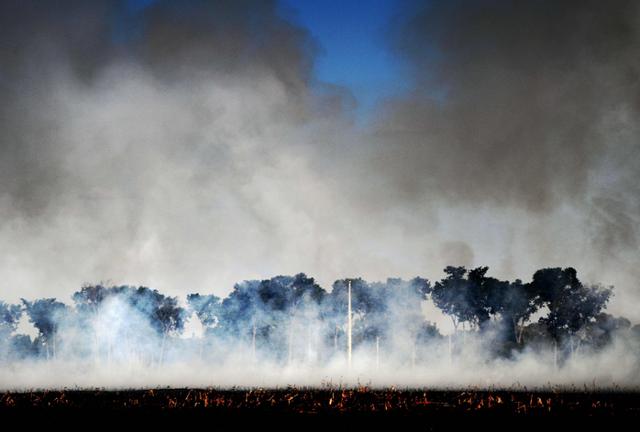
(464, 335)
(413, 355)
(571, 345)
(253, 342)
(290, 342)
(96, 347)
(162, 347)
(308, 343)
(520, 334)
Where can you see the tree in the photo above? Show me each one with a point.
(466, 297)
(450, 295)
(88, 302)
(402, 314)
(427, 333)
(9, 318)
(601, 331)
(239, 307)
(480, 290)
(21, 347)
(266, 311)
(368, 304)
(206, 308)
(305, 291)
(46, 315)
(163, 312)
(90, 297)
(516, 302)
(571, 304)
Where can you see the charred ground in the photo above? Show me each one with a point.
(431, 406)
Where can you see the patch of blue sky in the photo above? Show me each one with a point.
(355, 52)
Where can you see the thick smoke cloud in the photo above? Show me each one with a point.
(53, 61)
(173, 146)
(188, 145)
(511, 99)
(529, 109)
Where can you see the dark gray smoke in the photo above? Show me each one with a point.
(153, 144)
(512, 100)
(50, 52)
(188, 145)
(529, 109)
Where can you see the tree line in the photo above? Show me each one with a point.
(285, 315)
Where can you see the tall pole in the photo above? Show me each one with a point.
(290, 342)
(349, 326)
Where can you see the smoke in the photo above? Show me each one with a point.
(529, 110)
(172, 152)
(188, 145)
(511, 100)
(532, 371)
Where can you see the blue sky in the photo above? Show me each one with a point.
(354, 51)
(355, 54)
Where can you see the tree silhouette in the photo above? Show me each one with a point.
(206, 307)
(281, 315)
(90, 297)
(571, 304)
(46, 315)
(264, 311)
(465, 297)
(517, 302)
(9, 318)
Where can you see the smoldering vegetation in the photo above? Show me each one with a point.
(550, 331)
(361, 402)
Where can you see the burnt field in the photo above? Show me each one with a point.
(328, 403)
